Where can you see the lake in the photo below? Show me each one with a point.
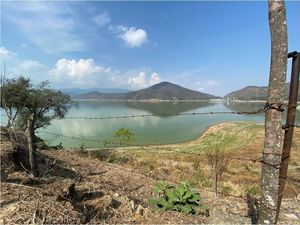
(163, 127)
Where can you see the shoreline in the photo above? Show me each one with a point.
(191, 142)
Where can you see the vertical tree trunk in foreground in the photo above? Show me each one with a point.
(273, 126)
(31, 145)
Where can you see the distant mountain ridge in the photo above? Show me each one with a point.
(254, 93)
(160, 91)
(79, 91)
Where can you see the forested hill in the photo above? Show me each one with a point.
(161, 91)
(254, 93)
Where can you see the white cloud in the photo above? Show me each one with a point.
(138, 81)
(132, 36)
(84, 73)
(102, 19)
(141, 80)
(16, 66)
(7, 55)
(77, 71)
(154, 79)
(47, 25)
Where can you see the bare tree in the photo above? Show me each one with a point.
(217, 155)
(273, 131)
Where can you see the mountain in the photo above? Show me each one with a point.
(254, 93)
(161, 91)
(79, 91)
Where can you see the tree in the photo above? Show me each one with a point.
(14, 93)
(123, 136)
(273, 132)
(42, 106)
(34, 107)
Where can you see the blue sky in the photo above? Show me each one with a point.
(213, 47)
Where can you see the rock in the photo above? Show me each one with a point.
(291, 216)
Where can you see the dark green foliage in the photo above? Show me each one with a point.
(20, 98)
(182, 197)
(45, 104)
(14, 94)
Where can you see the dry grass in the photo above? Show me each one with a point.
(113, 193)
(187, 161)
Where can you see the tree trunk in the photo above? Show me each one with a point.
(31, 145)
(273, 131)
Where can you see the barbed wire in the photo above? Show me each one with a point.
(259, 111)
(168, 114)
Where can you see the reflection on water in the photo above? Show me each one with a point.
(154, 108)
(244, 106)
(169, 108)
(254, 106)
(157, 129)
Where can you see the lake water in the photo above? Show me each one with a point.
(162, 128)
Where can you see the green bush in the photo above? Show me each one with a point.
(182, 197)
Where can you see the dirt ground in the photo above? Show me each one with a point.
(112, 193)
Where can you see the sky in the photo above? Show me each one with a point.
(214, 47)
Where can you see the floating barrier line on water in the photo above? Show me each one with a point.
(166, 114)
